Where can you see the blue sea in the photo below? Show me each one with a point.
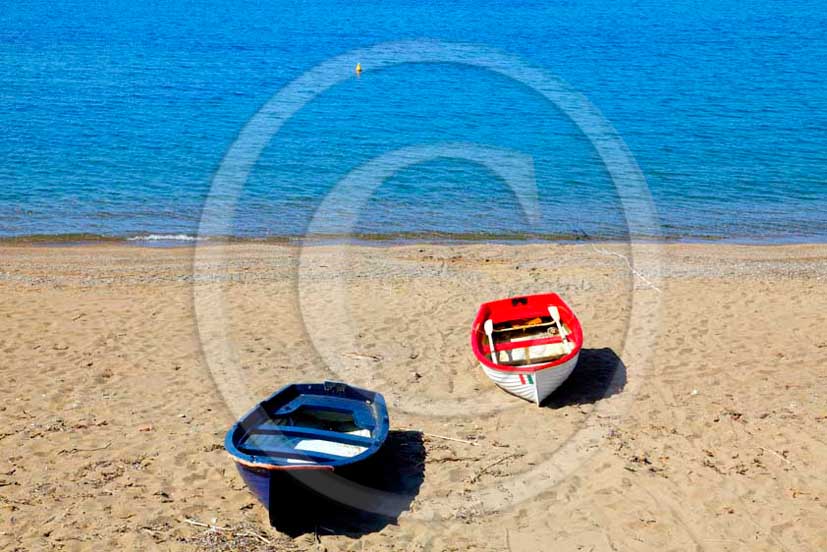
(116, 117)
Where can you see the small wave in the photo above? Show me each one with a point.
(166, 237)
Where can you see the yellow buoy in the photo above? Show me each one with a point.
(358, 68)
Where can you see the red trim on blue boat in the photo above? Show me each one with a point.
(271, 467)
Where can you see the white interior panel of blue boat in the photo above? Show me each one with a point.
(329, 447)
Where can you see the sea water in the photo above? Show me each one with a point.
(116, 116)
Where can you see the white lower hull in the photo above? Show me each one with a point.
(533, 386)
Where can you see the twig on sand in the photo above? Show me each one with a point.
(452, 459)
(445, 437)
(491, 465)
(781, 456)
(219, 529)
(206, 525)
(74, 450)
(374, 358)
(434, 435)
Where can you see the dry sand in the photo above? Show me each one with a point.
(702, 429)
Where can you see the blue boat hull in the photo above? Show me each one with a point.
(258, 481)
(296, 498)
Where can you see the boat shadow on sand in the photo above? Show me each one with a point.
(599, 374)
(352, 501)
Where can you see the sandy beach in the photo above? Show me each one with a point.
(695, 420)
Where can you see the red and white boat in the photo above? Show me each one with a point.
(536, 341)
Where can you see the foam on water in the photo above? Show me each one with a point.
(166, 237)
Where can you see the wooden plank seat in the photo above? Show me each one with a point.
(511, 345)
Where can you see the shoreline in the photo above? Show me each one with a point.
(116, 263)
(174, 241)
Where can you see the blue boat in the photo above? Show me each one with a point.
(302, 430)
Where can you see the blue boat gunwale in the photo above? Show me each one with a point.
(332, 396)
